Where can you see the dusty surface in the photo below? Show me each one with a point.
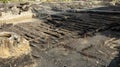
(13, 45)
(9, 18)
(15, 13)
(15, 51)
(65, 39)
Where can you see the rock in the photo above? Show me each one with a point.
(25, 8)
(26, 3)
(15, 10)
(14, 51)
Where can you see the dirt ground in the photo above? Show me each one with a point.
(71, 39)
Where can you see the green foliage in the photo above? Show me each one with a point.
(55, 0)
(5, 1)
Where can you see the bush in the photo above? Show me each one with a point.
(5, 1)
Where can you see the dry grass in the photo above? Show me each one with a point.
(54, 0)
(48, 0)
(5, 1)
(113, 2)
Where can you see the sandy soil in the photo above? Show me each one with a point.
(64, 39)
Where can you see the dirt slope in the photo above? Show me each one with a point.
(70, 39)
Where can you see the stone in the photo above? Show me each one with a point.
(15, 10)
(15, 51)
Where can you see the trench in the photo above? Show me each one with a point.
(62, 37)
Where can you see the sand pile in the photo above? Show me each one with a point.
(14, 51)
